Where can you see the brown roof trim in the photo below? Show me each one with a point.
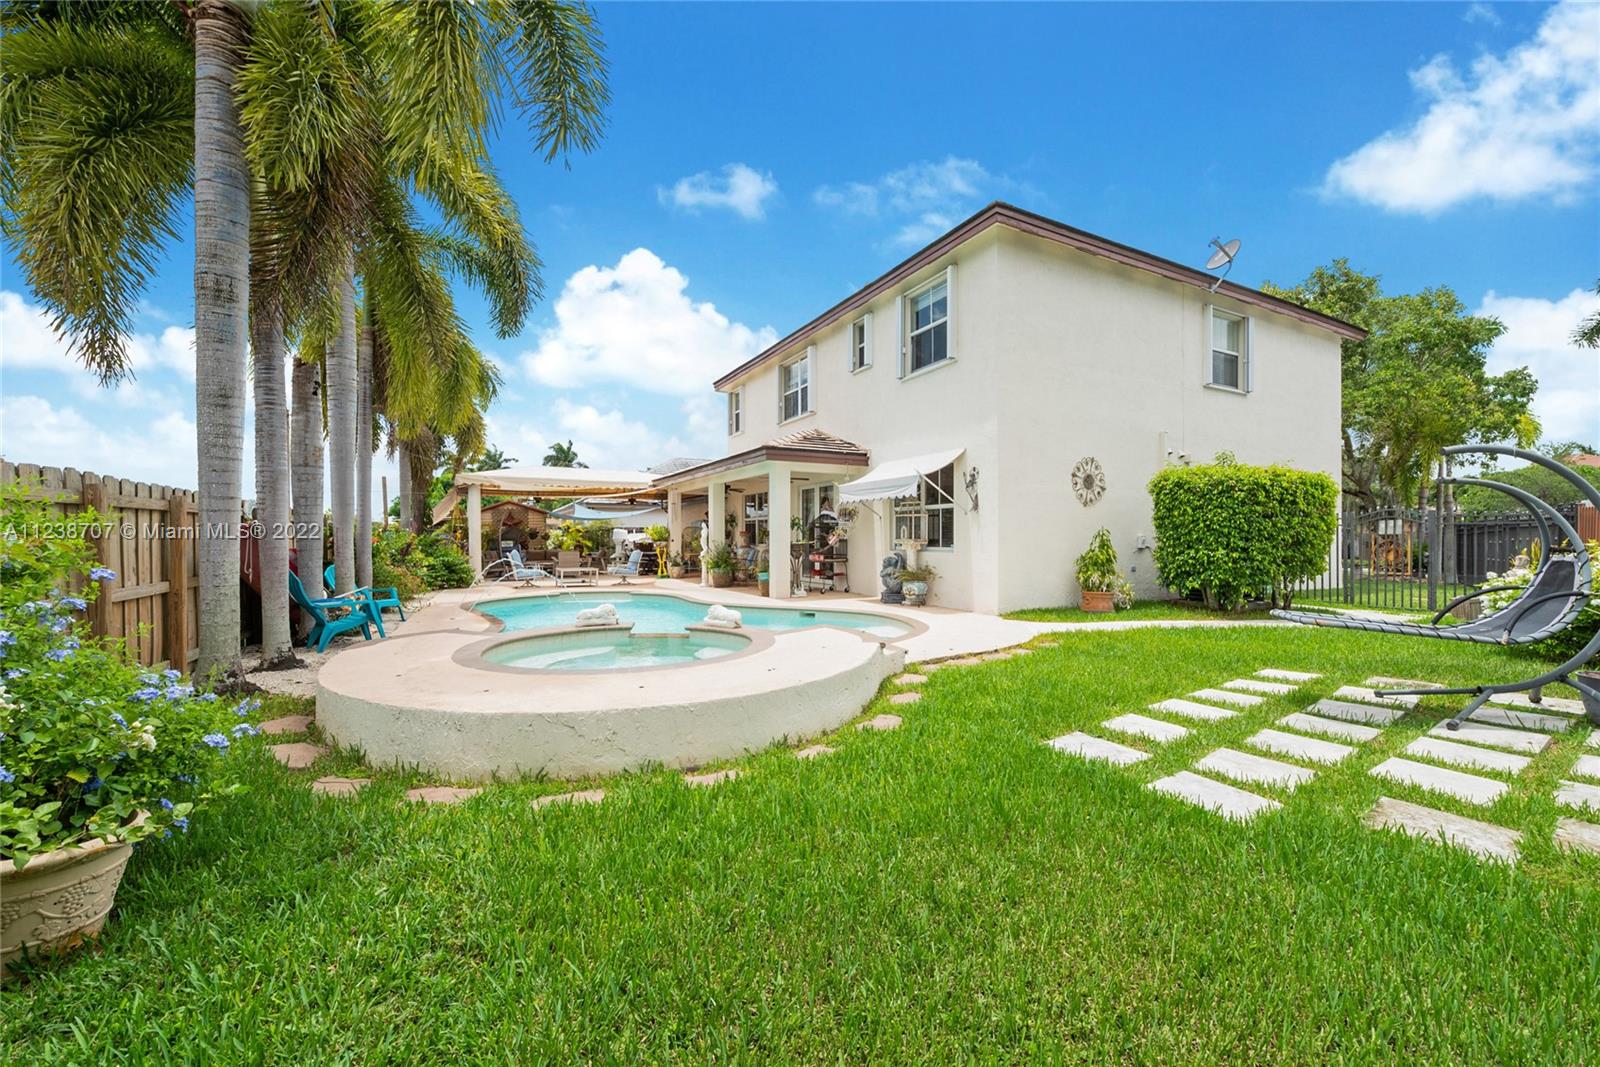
(1003, 214)
(764, 454)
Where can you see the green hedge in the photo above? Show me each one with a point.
(1232, 532)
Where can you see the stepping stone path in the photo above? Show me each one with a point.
(583, 796)
(1225, 696)
(1287, 676)
(1316, 724)
(441, 794)
(1144, 726)
(1090, 747)
(701, 781)
(1192, 709)
(1527, 720)
(1243, 767)
(1586, 767)
(1382, 681)
(1522, 700)
(1256, 685)
(298, 755)
(905, 698)
(1226, 800)
(881, 722)
(1578, 836)
(1482, 839)
(1495, 737)
(911, 679)
(1310, 749)
(1578, 795)
(288, 724)
(1367, 713)
(333, 786)
(1467, 787)
(1357, 692)
(1480, 759)
(813, 752)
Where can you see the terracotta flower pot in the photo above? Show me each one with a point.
(1097, 601)
(721, 579)
(60, 899)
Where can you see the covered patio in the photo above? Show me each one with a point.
(545, 483)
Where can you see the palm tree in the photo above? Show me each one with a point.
(562, 455)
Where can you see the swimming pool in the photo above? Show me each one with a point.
(662, 613)
(612, 650)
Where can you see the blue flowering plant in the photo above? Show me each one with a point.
(91, 744)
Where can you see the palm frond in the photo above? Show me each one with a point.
(556, 65)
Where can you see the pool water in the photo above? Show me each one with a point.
(661, 613)
(612, 650)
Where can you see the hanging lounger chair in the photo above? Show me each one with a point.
(1560, 587)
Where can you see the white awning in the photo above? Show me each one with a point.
(557, 481)
(897, 478)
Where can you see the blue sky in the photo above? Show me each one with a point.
(761, 161)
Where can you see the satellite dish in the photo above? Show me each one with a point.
(1222, 257)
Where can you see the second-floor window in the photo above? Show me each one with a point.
(1230, 350)
(929, 314)
(794, 383)
(861, 343)
(735, 411)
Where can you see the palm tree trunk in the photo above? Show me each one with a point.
(221, 302)
(342, 434)
(272, 485)
(419, 469)
(363, 535)
(402, 456)
(305, 457)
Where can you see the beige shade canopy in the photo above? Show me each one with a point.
(558, 481)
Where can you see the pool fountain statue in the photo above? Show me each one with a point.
(893, 564)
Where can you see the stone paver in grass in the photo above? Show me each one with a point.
(287, 724)
(1578, 836)
(1047, 644)
(1586, 767)
(1257, 770)
(1383, 681)
(702, 781)
(881, 722)
(1365, 713)
(334, 786)
(1482, 839)
(910, 679)
(1523, 720)
(1287, 676)
(1482, 759)
(1366, 693)
(582, 796)
(1578, 795)
(959, 661)
(814, 751)
(1228, 801)
(1256, 685)
(910, 697)
(1000, 654)
(298, 755)
(1468, 787)
(1310, 749)
(1228, 696)
(1504, 737)
(441, 794)
(1193, 709)
(1022, 651)
(1089, 746)
(1594, 739)
(1316, 724)
(1144, 726)
(1569, 705)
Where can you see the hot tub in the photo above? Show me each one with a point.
(612, 648)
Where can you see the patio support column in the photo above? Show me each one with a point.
(675, 521)
(475, 528)
(780, 506)
(716, 511)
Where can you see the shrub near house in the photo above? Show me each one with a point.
(1232, 532)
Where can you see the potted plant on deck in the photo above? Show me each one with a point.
(675, 566)
(1098, 578)
(914, 584)
(720, 563)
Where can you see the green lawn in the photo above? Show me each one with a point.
(1142, 609)
(953, 890)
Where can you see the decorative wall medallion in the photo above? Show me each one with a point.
(1088, 480)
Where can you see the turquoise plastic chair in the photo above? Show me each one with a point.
(385, 598)
(360, 615)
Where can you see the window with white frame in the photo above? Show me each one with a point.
(930, 515)
(928, 326)
(861, 343)
(814, 500)
(794, 385)
(735, 411)
(1230, 350)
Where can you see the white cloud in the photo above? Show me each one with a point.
(161, 451)
(1484, 13)
(921, 200)
(27, 340)
(1539, 336)
(1523, 125)
(635, 324)
(739, 188)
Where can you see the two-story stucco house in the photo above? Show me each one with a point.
(950, 401)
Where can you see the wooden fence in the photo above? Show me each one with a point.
(150, 541)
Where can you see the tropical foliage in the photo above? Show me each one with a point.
(562, 455)
(414, 563)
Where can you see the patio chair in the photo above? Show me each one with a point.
(383, 596)
(1559, 589)
(629, 569)
(511, 568)
(332, 616)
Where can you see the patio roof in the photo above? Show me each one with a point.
(803, 446)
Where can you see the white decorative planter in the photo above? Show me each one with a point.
(916, 593)
(59, 899)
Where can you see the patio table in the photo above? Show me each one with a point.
(578, 575)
